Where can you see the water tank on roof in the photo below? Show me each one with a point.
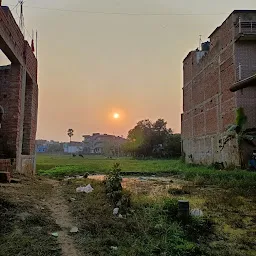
(205, 46)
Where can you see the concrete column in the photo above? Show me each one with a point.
(30, 118)
(16, 107)
(16, 88)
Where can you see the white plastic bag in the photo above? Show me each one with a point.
(87, 189)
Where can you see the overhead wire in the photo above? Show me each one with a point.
(123, 13)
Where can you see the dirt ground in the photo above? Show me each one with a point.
(42, 199)
(36, 219)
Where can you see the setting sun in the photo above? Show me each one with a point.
(116, 115)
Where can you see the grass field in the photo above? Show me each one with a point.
(59, 166)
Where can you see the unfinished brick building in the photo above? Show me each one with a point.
(218, 79)
(18, 99)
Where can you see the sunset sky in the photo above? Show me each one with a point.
(97, 62)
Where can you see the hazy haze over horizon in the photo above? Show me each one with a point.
(92, 64)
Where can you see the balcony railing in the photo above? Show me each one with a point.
(245, 28)
(245, 71)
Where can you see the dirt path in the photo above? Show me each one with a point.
(60, 212)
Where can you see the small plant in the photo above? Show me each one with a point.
(114, 184)
(170, 208)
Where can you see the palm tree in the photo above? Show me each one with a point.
(70, 133)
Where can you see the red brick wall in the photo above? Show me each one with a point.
(20, 105)
(5, 165)
(208, 105)
(14, 107)
(14, 45)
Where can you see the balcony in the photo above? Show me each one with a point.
(245, 77)
(245, 30)
(245, 71)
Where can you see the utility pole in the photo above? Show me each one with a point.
(21, 21)
(36, 43)
(200, 42)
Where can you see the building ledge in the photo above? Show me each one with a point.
(247, 82)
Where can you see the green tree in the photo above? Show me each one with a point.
(152, 140)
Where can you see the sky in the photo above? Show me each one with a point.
(97, 59)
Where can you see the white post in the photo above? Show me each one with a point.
(240, 72)
(239, 22)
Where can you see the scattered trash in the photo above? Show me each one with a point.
(79, 177)
(115, 211)
(74, 230)
(67, 178)
(55, 234)
(114, 248)
(143, 178)
(72, 199)
(87, 189)
(196, 213)
(120, 216)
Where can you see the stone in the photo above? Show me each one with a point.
(74, 230)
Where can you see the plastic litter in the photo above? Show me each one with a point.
(115, 211)
(87, 189)
(196, 213)
(55, 234)
(74, 230)
(114, 248)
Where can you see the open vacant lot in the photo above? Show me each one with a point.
(60, 166)
(38, 214)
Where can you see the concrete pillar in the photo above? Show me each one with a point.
(30, 118)
(16, 88)
(183, 210)
(16, 112)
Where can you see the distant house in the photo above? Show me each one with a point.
(41, 146)
(41, 149)
(73, 147)
(102, 144)
(45, 146)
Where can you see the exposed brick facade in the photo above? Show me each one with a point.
(18, 96)
(209, 106)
